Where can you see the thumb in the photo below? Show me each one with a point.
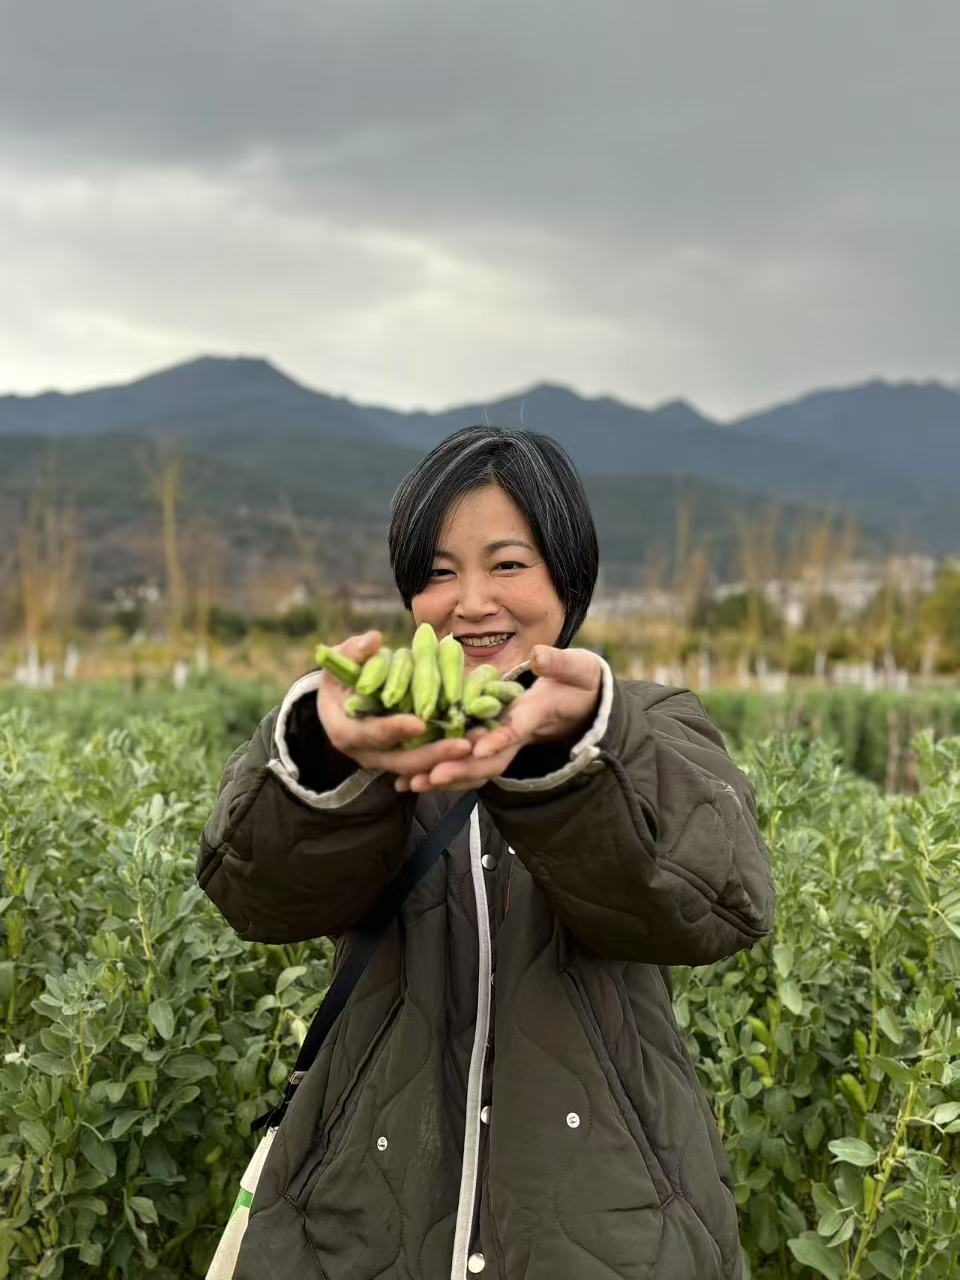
(577, 667)
(359, 648)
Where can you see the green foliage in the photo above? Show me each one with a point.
(140, 1036)
(746, 611)
(872, 731)
(831, 1051)
(941, 612)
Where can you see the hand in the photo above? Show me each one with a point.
(559, 707)
(373, 741)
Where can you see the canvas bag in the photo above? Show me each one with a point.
(364, 938)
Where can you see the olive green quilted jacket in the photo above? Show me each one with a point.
(507, 1093)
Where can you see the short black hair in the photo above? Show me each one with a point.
(535, 473)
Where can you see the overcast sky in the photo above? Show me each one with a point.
(733, 201)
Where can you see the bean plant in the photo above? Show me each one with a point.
(140, 1037)
(831, 1051)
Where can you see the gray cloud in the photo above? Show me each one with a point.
(422, 202)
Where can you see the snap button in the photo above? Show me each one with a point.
(488, 862)
(484, 1115)
(573, 1120)
(381, 1144)
(476, 1262)
(511, 849)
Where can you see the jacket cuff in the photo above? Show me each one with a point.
(585, 755)
(300, 740)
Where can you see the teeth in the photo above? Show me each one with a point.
(485, 642)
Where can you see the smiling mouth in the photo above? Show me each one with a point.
(491, 641)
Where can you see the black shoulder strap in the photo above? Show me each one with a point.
(364, 939)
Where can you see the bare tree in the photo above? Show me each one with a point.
(162, 467)
(46, 557)
(169, 484)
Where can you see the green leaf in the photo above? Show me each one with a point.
(831, 1221)
(7, 979)
(885, 1263)
(849, 1186)
(123, 1121)
(813, 1131)
(824, 1198)
(783, 958)
(945, 1113)
(190, 1066)
(895, 1070)
(853, 1151)
(100, 1154)
(791, 997)
(161, 1015)
(180, 1097)
(51, 1064)
(159, 1161)
(886, 1020)
(290, 975)
(809, 1249)
(90, 1252)
(845, 1232)
(36, 1134)
(144, 1208)
(93, 1203)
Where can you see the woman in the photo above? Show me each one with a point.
(507, 1092)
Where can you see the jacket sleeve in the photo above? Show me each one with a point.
(645, 838)
(301, 842)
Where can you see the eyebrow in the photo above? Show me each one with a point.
(491, 547)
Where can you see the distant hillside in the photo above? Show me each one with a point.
(332, 506)
(911, 427)
(888, 453)
(605, 435)
(264, 458)
(209, 397)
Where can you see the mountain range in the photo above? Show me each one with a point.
(257, 448)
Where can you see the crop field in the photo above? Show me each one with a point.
(140, 1037)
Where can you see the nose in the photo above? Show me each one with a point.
(477, 598)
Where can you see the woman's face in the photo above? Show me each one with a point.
(489, 586)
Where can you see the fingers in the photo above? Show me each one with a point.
(383, 733)
(493, 741)
(578, 667)
(359, 648)
(419, 759)
(458, 775)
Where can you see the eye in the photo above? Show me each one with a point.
(510, 564)
(435, 573)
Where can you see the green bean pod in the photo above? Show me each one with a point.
(483, 708)
(451, 658)
(426, 672)
(398, 678)
(362, 704)
(506, 690)
(375, 671)
(342, 668)
(477, 681)
(455, 725)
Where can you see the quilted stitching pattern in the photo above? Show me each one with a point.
(672, 872)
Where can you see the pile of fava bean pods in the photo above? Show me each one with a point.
(427, 680)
